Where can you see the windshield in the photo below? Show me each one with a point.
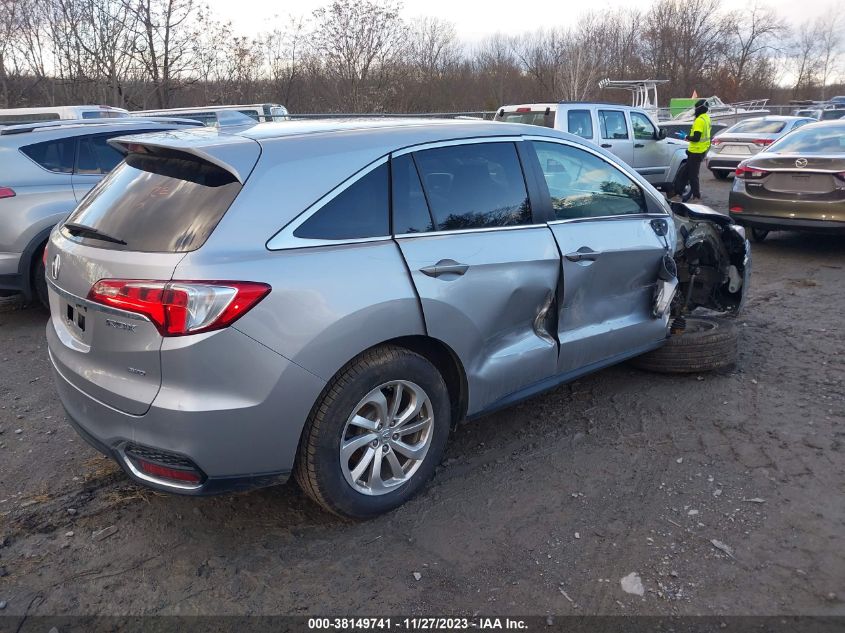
(812, 140)
(157, 204)
(760, 126)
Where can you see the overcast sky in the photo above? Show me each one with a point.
(475, 20)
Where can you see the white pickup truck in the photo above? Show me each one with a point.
(627, 132)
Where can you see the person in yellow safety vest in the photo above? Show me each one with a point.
(699, 143)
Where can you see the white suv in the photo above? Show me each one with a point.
(629, 133)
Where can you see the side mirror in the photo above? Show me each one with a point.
(661, 134)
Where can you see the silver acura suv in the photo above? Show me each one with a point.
(328, 298)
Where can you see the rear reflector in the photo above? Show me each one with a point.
(165, 472)
(736, 209)
(7, 192)
(179, 308)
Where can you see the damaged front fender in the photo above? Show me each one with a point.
(713, 258)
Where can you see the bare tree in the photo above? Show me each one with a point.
(829, 35)
(751, 34)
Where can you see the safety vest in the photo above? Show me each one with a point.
(701, 124)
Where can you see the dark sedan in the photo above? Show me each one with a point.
(798, 183)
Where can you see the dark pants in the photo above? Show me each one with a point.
(693, 167)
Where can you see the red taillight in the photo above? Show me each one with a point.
(523, 109)
(750, 173)
(763, 142)
(736, 209)
(7, 192)
(178, 308)
(165, 472)
(716, 141)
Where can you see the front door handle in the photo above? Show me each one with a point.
(583, 254)
(638, 145)
(606, 145)
(445, 267)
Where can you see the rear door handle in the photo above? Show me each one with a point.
(445, 267)
(638, 145)
(583, 254)
(606, 145)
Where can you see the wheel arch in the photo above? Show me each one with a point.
(26, 267)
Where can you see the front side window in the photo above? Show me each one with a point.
(613, 126)
(643, 127)
(582, 185)
(56, 156)
(359, 211)
(580, 123)
(474, 186)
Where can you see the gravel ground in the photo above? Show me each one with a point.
(721, 492)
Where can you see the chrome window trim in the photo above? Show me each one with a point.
(612, 218)
(284, 239)
(491, 229)
(615, 163)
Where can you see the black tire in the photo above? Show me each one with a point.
(720, 175)
(318, 467)
(759, 235)
(39, 280)
(706, 344)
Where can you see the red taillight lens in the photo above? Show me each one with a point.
(523, 109)
(164, 472)
(750, 173)
(178, 308)
(763, 142)
(7, 192)
(736, 209)
(716, 141)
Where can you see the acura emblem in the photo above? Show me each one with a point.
(801, 163)
(55, 267)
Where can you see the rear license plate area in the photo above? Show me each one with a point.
(75, 316)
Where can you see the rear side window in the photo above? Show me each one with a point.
(474, 186)
(96, 156)
(410, 209)
(530, 118)
(158, 203)
(56, 156)
(761, 126)
(582, 185)
(613, 126)
(361, 210)
(17, 119)
(580, 123)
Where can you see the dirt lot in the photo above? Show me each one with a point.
(540, 509)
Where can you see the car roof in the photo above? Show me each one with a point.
(555, 104)
(24, 134)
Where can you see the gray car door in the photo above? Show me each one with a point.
(651, 154)
(614, 135)
(611, 252)
(484, 270)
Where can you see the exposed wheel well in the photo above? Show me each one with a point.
(447, 363)
(29, 261)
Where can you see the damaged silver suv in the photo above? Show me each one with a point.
(326, 298)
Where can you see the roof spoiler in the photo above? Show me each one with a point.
(236, 154)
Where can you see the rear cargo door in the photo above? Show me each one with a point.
(137, 224)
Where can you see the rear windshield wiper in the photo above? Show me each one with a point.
(90, 231)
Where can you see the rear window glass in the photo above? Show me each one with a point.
(53, 155)
(811, 140)
(530, 118)
(103, 114)
(758, 127)
(361, 210)
(158, 203)
(832, 115)
(16, 119)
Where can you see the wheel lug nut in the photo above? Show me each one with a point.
(395, 436)
(385, 448)
(374, 443)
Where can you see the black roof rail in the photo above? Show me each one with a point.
(23, 128)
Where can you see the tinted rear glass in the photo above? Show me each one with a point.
(832, 115)
(530, 118)
(158, 203)
(758, 127)
(811, 140)
(16, 119)
(53, 155)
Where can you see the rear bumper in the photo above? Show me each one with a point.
(724, 163)
(786, 215)
(235, 448)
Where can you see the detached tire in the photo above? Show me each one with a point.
(706, 344)
(375, 435)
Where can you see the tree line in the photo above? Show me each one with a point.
(367, 56)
